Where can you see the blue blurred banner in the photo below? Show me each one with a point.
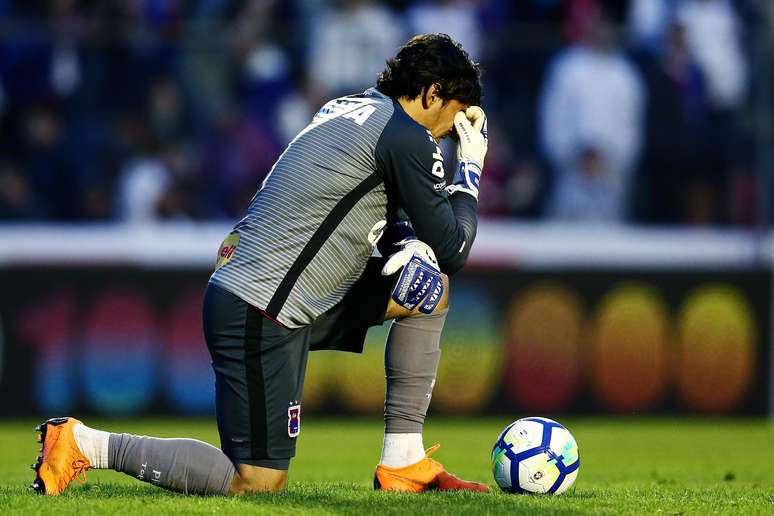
(127, 340)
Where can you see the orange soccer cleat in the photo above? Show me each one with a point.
(425, 475)
(60, 460)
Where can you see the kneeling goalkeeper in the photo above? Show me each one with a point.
(354, 225)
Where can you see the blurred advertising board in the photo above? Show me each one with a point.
(125, 339)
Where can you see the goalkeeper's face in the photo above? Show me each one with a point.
(441, 117)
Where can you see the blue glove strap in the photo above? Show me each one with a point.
(468, 175)
(434, 298)
(418, 281)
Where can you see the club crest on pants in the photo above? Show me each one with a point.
(294, 420)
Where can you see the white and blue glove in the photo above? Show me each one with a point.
(420, 282)
(472, 145)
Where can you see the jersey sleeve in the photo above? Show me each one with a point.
(412, 167)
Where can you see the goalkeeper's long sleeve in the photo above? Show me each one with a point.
(411, 164)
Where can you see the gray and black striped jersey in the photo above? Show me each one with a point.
(304, 240)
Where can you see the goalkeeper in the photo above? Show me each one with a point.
(354, 225)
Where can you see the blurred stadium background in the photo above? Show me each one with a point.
(625, 256)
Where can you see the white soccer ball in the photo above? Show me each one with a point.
(535, 455)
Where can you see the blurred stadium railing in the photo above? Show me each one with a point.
(546, 318)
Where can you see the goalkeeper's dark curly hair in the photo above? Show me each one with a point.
(432, 59)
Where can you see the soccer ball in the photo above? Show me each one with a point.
(535, 455)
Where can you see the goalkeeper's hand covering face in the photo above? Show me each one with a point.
(472, 143)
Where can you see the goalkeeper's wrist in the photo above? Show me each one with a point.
(453, 189)
(467, 178)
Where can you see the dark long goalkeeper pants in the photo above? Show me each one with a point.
(260, 365)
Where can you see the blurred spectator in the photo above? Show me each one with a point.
(181, 199)
(208, 68)
(65, 67)
(166, 114)
(525, 188)
(457, 18)
(591, 125)
(585, 192)
(350, 43)
(513, 184)
(17, 199)
(581, 13)
(265, 75)
(158, 184)
(714, 38)
(236, 156)
(142, 185)
(647, 24)
(295, 110)
(47, 163)
(675, 167)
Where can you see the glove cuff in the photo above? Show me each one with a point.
(467, 178)
(394, 233)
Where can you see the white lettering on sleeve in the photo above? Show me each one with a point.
(438, 163)
(359, 116)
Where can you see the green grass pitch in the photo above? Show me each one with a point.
(629, 465)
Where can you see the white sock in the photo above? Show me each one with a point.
(402, 449)
(93, 444)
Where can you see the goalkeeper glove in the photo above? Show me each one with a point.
(471, 150)
(420, 280)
